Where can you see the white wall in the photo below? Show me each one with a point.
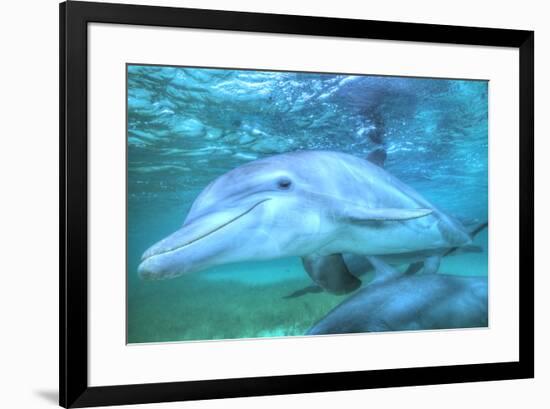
(28, 216)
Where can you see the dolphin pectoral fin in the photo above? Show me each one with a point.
(311, 289)
(345, 210)
(384, 272)
(468, 248)
(358, 214)
(431, 265)
(331, 273)
(414, 268)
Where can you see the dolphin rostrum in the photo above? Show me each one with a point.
(316, 205)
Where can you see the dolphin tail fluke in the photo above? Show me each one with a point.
(331, 273)
(473, 231)
(478, 228)
(471, 248)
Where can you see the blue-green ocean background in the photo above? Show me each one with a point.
(187, 126)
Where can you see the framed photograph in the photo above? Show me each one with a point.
(256, 204)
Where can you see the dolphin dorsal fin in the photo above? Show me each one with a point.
(377, 157)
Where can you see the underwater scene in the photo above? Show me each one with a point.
(269, 204)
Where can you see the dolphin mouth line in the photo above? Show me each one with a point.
(208, 233)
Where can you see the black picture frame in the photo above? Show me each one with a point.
(73, 381)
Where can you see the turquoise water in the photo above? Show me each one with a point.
(187, 126)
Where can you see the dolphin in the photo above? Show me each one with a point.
(422, 262)
(418, 302)
(316, 205)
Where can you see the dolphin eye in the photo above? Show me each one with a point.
(284, 183)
